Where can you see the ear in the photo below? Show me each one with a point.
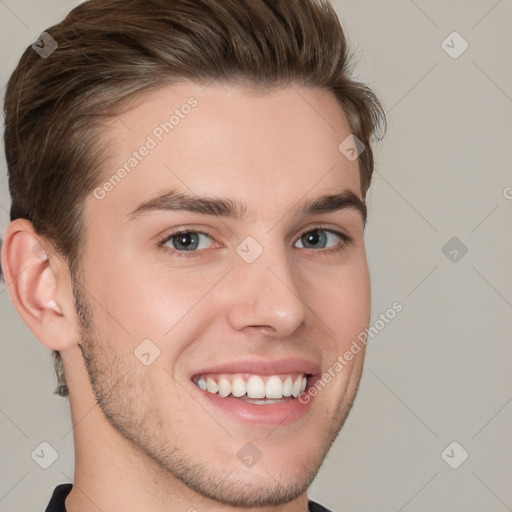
(39, 285)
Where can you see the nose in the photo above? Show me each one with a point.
(265, 294)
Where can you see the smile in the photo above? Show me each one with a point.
(258, 389)
(259, 393)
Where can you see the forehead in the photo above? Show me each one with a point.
(267, 150)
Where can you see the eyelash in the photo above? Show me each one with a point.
(345, 240)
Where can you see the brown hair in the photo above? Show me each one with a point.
(109, 52)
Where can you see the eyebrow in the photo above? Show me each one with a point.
(225, 207)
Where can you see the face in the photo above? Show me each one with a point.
(224, 286)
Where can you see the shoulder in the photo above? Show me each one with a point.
(58, 497)
(315, 507)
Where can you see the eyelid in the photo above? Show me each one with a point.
(336, 230)
(179, 231)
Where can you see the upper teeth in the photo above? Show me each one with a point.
(254, 386)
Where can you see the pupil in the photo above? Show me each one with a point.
(186, 239)
(314, 237)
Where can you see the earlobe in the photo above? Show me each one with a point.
(32, 279)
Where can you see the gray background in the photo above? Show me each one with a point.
(440, 371)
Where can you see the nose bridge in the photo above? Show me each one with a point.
(267, 289)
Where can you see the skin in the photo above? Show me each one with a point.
(144, 441)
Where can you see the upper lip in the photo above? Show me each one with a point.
(263, 367)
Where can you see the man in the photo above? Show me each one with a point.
(188, 182)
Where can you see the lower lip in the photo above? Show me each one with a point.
(281, 413)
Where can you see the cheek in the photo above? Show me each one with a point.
(152, 301)
(342, 301)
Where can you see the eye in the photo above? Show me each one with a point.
(321, 238)
(186, 241)
(189, 243)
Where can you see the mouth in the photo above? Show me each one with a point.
(254, 389)
(258, 392)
